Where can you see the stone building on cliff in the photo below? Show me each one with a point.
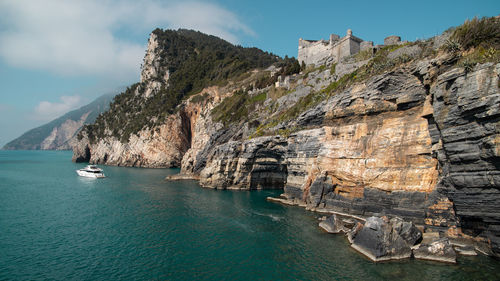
(319, 52)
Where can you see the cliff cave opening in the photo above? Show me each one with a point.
(268, 170)
(85, 157)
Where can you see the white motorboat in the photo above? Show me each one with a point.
(91, 171)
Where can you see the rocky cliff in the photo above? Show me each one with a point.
(60, 134)
(408, 131)
(150, 124)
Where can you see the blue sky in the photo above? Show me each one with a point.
(58, 55)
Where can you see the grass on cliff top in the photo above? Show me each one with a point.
(478, 55)
(475, 41)
(237, 107)
(484, 32)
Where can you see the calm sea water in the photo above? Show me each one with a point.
(133, 225)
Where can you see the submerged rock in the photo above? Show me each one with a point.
(381, 239)
(438, 250)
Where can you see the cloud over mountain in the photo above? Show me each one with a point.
(46, 111)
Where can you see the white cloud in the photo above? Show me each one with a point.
(208, 18)
(46, 111)
(92, 36)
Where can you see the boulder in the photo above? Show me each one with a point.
(333, 225)
(406, 230)
(380, 239)
(438, 250)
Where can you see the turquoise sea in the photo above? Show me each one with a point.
(133, 225)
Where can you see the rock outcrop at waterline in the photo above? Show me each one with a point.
(383, 239)
(418, 140)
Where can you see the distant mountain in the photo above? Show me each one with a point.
(61, 133)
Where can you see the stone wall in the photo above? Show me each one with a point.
(365, 45)
(392, 40)
(320, 52)
(347, 46)
(314, 52)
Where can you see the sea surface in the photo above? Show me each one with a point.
(133, 225)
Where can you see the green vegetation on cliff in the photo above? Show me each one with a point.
(194, 61)
(479, 41)
(484, 32)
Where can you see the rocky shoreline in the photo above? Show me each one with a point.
(382, 239)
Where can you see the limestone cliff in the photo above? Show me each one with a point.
(419, 142)
(409, 130)
(151, 123)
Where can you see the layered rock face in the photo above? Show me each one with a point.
(253, 164)
(429, 154)
(419, 143)
(466, 136)
(374, 157)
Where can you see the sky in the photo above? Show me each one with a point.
(58, 55)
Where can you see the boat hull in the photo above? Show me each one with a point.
(90, 175)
